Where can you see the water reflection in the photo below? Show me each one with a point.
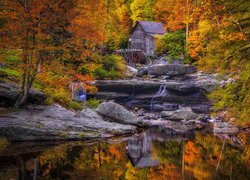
(154, 154)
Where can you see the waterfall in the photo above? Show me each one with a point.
(129, 99)
(160, 92)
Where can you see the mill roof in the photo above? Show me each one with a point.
(151, 27)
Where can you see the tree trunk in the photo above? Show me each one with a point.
(187, 23)
(30, 67)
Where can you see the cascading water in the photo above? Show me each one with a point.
(160, 93)
(161, 90)
(129, 99)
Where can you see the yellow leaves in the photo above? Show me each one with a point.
(231, 36)
(244, 138)
(137, 7)
(131, 171)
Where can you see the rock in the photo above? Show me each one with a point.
(139, 92)
(230, 81)
(171, 69)
(56, 123)
(131, 72)
(177, 127)
(2, 65)
(118, 113)
(204, 81)
(141, 112)
(161, 60)
(190, 91)
(152, 76)
(224, 128)
(180, 114)
(142, 72)
(9, 93)
(166, 77)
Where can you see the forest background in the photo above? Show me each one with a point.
(46, 44)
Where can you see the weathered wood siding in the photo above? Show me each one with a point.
(150, 45)
(140, 40)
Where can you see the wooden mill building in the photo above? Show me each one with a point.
(143, 36)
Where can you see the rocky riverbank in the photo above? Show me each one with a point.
(41, 122)
(167, 96)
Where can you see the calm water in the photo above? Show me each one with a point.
(154, 154)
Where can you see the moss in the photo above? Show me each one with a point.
(81, 135)
(64, 134)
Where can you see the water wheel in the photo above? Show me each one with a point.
(134, 58)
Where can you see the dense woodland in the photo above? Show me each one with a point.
(46, 44)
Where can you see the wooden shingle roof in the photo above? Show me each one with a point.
(152, 27)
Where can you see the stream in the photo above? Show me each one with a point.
(182, 141)
(156, 153)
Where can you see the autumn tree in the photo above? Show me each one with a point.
(142, 10)
(30, 25)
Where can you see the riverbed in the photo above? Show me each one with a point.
(156, 153)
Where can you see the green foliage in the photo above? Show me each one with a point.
(93, 103)
(235, 97)
(227, 51)
(9, 73)
(10, 57)
(173, 44)
(170, 152)
(74, 105)
(110, 67)
(142, 10)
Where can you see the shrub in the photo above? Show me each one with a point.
(111, 67)
(93, 103)
(173, 44)
(235, 98)
(100, 73)
(9, 73)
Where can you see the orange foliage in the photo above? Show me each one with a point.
(115, 151)
(164, 171)
(192, 153)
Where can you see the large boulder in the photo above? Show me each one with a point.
(171, 69)
(142, 72)
(9, 93)
(118, 113)
(40, 122)
(181, 114)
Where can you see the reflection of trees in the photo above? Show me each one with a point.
(3, 144)
(193, 159)
(207, 158)
(87, 162)
(169, 152)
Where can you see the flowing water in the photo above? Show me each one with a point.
(160, 93)
(154, 154)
